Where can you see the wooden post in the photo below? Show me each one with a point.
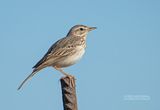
(69, 93)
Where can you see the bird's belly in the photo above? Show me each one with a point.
(70, 60)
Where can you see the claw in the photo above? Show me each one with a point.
(71, 81)
(72, 78)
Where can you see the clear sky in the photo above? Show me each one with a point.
(121, 67)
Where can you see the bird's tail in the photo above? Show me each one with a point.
(30, 76)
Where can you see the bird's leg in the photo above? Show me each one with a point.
(59, 69)
(71, 81)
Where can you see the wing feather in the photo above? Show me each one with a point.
(59, 49)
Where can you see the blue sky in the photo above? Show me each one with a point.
(122, 57)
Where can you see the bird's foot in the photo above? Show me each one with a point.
(71, 80)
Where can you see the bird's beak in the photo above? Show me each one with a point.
(92, 28)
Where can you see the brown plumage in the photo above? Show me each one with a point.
(65, 52)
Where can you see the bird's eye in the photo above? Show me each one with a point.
(81, 29)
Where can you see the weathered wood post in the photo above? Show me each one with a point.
(69, 93)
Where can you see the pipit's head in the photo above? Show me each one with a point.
(80, 30)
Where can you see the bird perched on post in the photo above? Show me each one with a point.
(65, 52)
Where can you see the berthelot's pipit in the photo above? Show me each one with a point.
(65, 52)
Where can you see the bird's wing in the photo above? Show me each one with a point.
(59, 49)
(56, 52)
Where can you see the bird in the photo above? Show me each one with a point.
(63, 53)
